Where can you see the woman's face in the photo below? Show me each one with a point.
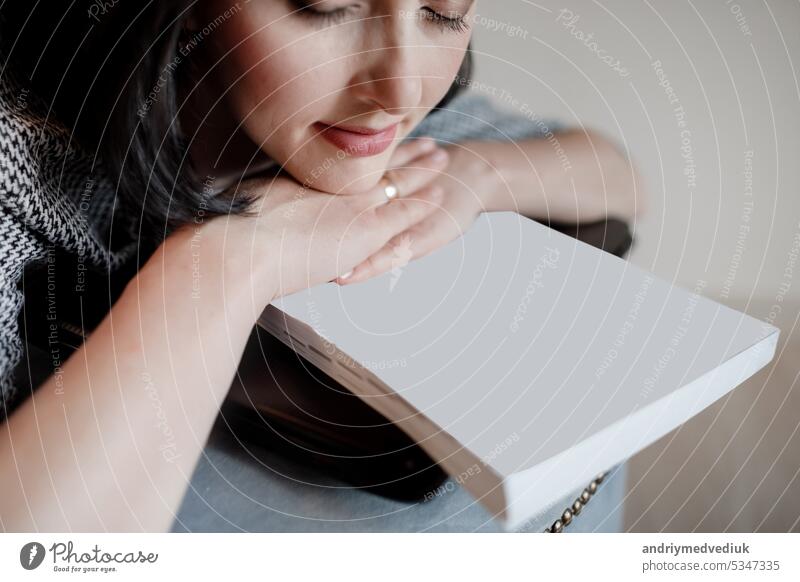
(289, 73)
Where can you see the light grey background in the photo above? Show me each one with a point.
(739, 93)
(733, 67)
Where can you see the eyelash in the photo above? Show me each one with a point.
(325, 18)
(457, 24)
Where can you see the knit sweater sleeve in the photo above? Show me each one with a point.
(18, 246)
(54, 198)
(473, 115)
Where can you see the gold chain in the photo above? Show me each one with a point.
(576, 507)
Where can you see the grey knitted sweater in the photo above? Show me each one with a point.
(55, 196)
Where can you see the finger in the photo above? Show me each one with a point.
(410, 150)
(401, 214)
(419, 240)
(377, 225)
(396, 254)
(408, 179)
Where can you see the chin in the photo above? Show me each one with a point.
(346, 176)
(366, 182)
(348, 186)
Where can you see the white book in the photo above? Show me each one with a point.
(522, 360)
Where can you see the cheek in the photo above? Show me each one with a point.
(276, 82)
(439, 70)
(272, 100)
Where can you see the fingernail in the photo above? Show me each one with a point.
(346, 275)
(428, 144)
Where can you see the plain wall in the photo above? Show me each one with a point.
(732, 72)
(739, 94)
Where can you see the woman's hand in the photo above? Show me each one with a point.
(303, 237)
(466, 186)
(528, 177)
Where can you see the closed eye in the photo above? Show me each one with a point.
(457, 23)
(324, 17)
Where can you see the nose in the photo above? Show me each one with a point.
(389, 76)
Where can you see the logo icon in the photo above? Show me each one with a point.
(31, 555)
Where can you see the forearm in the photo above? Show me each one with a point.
(581, 177)
(115, 449)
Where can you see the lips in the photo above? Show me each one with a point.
(358, 141)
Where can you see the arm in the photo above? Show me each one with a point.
(112, 444)
(529, 164)
(152, 374)
(576, 177)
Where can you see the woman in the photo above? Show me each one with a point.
(169, 106)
